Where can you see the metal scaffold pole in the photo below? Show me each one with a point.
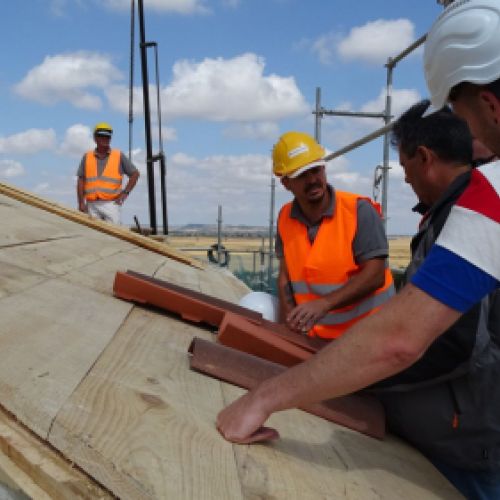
(147, 120)
(318, 116)
(387, 119)
(271, 235)
(219, 234)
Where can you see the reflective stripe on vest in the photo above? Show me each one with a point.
(328, 264)
(106, 186)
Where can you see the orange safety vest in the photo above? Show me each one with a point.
(327, 265)
(106, 186)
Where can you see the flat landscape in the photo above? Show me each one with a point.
(245, 251)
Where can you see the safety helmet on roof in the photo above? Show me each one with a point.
(103, 128)
(296, 152)
(462, 46)
(262, 302)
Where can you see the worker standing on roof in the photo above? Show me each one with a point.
(443, 404)
(462, 66)
(331, 245)
(100, 174)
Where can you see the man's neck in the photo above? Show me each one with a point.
(315, 211)
(102, 153)
(446, 181)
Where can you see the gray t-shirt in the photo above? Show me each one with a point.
(370, 240)
(126, 166)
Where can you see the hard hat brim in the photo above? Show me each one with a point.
(305, 168)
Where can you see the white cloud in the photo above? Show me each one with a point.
(67, 77)
(57, 7)
(42, 187)
(77, 140)
(10, 168)
(28, 142)
(231, 3)
(231, 90)
(325, 47)
(262, 130)
(377, 40)
(239, 183)
(177, 6)
(402, 99)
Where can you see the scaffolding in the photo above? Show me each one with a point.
(381, 172)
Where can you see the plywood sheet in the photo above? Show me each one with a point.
(51, 334)
(108, 383)
(143, 424)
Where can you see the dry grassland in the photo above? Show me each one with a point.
(243, 250)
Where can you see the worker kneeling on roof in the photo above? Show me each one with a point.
(331, 245)
(100, 175)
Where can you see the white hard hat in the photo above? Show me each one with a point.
(262, 302)
(463, 45)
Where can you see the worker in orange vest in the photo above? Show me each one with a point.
(331, 244)
(100, 174)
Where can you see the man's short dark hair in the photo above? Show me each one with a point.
(443, 132)
(472, 88)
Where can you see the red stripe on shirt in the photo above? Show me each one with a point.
(481, 197)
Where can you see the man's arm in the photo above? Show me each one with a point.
(376, 347)
(285, 295)
(82, 205)
(132, 181)
(370, 277)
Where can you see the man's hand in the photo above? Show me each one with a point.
(304, 316)
(241, 422)
(123, 196)
(82, 206)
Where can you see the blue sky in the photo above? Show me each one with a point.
(234, 75)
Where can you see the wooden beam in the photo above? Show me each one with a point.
(37, 469)
(105, 227)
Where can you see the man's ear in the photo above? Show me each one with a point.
(425, 155)
(491, 104)
(285, 182)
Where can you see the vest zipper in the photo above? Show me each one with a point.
(457, 411)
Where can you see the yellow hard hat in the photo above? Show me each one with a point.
(103, 128)
(296, 152)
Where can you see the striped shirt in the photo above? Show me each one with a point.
(464, 264)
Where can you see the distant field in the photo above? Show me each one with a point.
(399, 250)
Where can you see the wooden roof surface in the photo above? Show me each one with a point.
(108, 385)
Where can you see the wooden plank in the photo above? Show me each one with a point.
(38, 470)
(81, 218)
(317, 459)
(22, 223)
(143, 424)
(50, 337)
(140, 420)
(90, 262)
(20, 485)
(14, 279)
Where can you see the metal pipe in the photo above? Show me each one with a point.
(131, 79)
(147, 121)
(219, 235)
(361, 114)
(318, 116)
(271, 235)
(163, 167)
(411, 48)
(385, 164)
(367, 138)
(163, 187)
(262, 252)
